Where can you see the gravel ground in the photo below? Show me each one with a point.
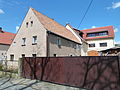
(26, 84)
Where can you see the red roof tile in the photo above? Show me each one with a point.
(99, 29)
(55, 27)
(6, 37)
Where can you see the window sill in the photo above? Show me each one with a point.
(34, 43)
(103, 46)
(23, 45)
(59, 46)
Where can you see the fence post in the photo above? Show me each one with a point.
(20, 67)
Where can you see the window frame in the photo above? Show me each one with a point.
(34, 40)
(59, 41)
(34, 55)
(91, 44)
(104, 44)
(97, 34)
(12, 57)
(23, 41)
(23, 55)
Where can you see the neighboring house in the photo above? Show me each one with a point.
(5, 41)
(40, 36)
(100, 38)
(78, 34)
(115, 51)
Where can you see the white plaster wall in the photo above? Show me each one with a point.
(36, 30)
(110, 44)
(69, 28)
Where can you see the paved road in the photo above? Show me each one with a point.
(26, 84)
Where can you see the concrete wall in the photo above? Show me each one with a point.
(110, 44)
(84, 49)
(36, 30)
(66, 49)
(3, 50)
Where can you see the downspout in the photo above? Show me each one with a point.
(48, 45)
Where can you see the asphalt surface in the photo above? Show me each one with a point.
(26, 84)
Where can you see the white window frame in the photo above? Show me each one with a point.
(23, 41)
(34, 40)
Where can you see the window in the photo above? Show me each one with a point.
(23, 41)
(34, 40)
(78, 47)
(75, 46)
(23, 55)
(92, 45)
(2, 53)
(96, 34)
(34, 55)
(103, 44)
(26, 24)
(58, 41)
(54, 55)
(72, 45)
(11, 57)
(31, 23)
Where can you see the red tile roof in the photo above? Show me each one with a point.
(6, 37)
(99, 29)
(55, 27)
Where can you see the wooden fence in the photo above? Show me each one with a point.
(94, 73)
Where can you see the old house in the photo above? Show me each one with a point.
(5, 42)
(41, 36)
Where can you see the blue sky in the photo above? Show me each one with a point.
(101, 13)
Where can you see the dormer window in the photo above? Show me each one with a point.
(26, 24)
(31, 23)
(97, 34)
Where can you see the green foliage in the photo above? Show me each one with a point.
(1, 67)
(12, 70)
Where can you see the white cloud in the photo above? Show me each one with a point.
(117, 42)
(93, 27)
(1, 11)
(17, 28)
(114, 5)
(116, 30)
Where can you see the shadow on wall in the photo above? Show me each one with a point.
(95, 73)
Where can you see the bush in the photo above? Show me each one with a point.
(12, 70)
(1, 67)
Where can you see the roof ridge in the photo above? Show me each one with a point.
(48, 17)
(54, 26)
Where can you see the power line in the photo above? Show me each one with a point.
(85, 14)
